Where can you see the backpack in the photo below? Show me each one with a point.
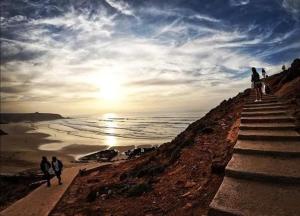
(267, 89)
(255, 77)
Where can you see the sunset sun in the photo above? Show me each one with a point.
(110, 88)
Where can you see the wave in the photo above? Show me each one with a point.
(162, 128)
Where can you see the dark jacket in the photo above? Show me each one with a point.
(45, 166)
(60, 165)
(255, 77)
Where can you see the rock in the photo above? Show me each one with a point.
(188, 206)
(218, 168)
(123, 176)
(2, 132)
(207, 130)
(82, 172)
(138, 152)
(186, 194)
(104, 196)
(199, 188)
(139, 189)
(180, 183)
(189, 184)
(105, 155)
(92, 196)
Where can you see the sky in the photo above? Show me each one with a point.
(98, 56)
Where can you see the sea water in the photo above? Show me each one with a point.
(114, 130)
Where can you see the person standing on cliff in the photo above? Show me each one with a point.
(57, 166)
(45, 167)
(255, 79)
(263, 73)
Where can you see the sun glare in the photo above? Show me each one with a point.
(110, 88)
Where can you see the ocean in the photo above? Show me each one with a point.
(115, 130)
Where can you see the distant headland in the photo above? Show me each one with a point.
(32, 117)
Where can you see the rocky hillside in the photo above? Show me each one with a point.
(178, 178)
(286, 85)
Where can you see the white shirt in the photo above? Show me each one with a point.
(56, 166)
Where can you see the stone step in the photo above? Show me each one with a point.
(264, 113)
(269, 135)
(268, 119)
(265, 126)
(264, 168)
(262, 101)
(257, 105)
(248, 198)
(274, 148)
(270, 108)
(252, 100)
(264, 97)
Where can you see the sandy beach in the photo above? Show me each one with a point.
(20, 149)
(72, 138)
(26, 142)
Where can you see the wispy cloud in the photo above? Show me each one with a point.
(292, 6)
(239, 2)
(121, 6)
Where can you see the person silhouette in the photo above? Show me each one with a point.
(45, 167)
(263, 72)
(57, 166)
(255, 79)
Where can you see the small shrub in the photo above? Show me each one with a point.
(139, 189)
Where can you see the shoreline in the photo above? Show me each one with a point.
(21, 149)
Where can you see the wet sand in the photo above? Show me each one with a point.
(20, 149)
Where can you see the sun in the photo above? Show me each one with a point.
(110, 88)
(109, 91)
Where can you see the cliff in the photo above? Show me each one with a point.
(286, 85)
(32, 117)
(180, 177)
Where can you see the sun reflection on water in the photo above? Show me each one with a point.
(110, 124)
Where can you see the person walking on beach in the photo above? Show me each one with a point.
(57, 166)
(255, 79)
(45, 167)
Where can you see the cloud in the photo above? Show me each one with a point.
(162, 82)
(204, 17)
(171, 54)
(292, 6)
(121, 6)
(13, 89)
(239, 2)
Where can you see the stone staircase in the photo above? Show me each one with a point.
(263, 176)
